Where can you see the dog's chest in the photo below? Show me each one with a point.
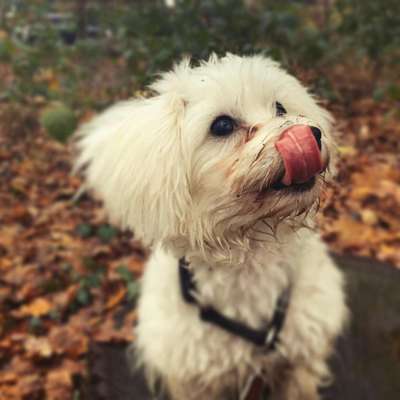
(186, 343)
(247, 293)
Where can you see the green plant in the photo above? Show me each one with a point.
(132, 285)
(6, 49)
(136, 41)
(370, 28)
(106, 233)
(59, 121)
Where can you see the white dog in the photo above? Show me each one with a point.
(220, 172)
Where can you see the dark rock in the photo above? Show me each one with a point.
(367, 363)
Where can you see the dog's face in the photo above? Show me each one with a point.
(219, 148)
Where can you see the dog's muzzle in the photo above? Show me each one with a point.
(300, 149)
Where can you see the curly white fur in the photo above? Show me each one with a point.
(188, 193)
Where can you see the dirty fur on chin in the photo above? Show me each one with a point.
(187, 190)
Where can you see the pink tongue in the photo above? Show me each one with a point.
(300, 154)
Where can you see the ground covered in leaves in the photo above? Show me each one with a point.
(69, 280)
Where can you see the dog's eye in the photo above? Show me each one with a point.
(223, 126)
(280, 110)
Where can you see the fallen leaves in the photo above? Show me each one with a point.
(64, 340)
(20, 381)
(353, 235)
(59, 384)
(59, 288)
(361, 213)
(111, 332)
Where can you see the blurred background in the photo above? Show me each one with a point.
(69, 279)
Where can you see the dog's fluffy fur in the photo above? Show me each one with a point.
(185, 192)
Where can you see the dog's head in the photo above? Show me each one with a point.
(219, 148)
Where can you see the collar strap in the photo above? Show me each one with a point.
(267, 337)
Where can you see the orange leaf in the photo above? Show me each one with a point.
(37, 308)
(116, 298)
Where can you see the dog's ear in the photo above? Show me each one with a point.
(133, 157)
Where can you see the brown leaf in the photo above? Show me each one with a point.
(29, 386)
(58, 384)
(59, 381)
(67, 340)
(8, 377)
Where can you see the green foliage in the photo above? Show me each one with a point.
(84, 230)
(125, 274)
(133, 290)
(90, 280)
(83, 296)
(59, 121)
(6, 50)
(35, 325)
(371, 28)
(133, 286)
(137, 40)
(106, 233)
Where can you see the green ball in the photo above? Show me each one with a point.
(59, 121)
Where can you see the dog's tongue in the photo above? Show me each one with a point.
(300, 154)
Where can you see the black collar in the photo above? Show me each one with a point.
(266, 337)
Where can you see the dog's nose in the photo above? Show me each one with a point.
(317, 134)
